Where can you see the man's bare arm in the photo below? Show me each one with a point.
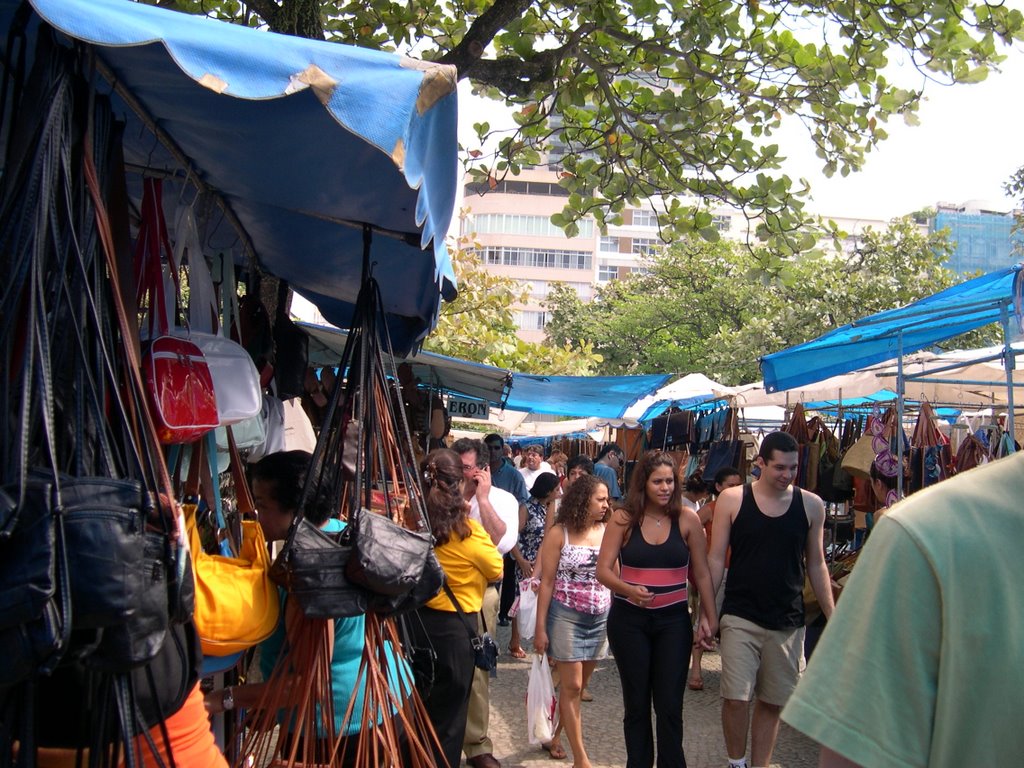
(817, 570)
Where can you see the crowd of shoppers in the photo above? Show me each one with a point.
(608, 575)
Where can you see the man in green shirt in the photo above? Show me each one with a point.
(922, 663)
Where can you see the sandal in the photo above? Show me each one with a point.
(555, 750)
(695, 684)
(516, 653)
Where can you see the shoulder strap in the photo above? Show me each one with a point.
(458, 609)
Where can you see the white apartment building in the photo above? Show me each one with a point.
(511, 224)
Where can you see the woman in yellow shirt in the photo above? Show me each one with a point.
(470, 562)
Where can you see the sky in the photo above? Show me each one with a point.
(967, 145)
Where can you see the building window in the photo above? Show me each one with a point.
(606, 272)
(645, 246)
(530, 320)
(722, 222)
(514, 187)
(538, 288)
(543, 258)
(644, 218)
(541, 289)
(522, 224)
(609, 244)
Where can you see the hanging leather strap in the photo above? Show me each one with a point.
(243, 496)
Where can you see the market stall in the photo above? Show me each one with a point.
(151, 160)
(992, 298)
(282, 134)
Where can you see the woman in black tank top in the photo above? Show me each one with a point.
(652, 548)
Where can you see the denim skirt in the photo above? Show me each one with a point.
(576, 636)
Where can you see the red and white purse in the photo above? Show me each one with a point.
(179, 388)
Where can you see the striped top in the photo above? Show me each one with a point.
(662, 568)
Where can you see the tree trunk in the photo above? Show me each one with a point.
(300, 18)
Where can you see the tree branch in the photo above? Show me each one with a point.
(481, 32)
(265, 9)
(511, 75)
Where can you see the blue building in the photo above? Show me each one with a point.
(984, 238)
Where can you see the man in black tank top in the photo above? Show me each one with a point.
(772, 531)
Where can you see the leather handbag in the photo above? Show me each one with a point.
(33, 584)
(237, 605)
(396, 565)
(312, 568)
(722, 454)
(970, 454)
(388, 559)
(126, 607)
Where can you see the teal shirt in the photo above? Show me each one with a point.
(349, 639)
(922, 663)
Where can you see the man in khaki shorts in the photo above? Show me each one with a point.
(774, 531)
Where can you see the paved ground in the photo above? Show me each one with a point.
(602, 721)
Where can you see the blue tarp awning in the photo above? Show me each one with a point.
(434, 371)
(597, 396)
(699, 403)
(600, 396)
(304, 141)
(886, 335)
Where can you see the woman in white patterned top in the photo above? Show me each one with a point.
(572, 605)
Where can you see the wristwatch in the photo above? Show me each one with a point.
(227, 701)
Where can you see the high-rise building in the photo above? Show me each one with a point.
(510, 222)
(983, 235)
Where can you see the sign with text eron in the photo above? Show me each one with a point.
(467, 408)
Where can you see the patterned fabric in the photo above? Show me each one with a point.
(576, 584)
(532, 534)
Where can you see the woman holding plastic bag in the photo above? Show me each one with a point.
(572, 606)
(545, 490)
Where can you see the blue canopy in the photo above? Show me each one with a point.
(986, 299)
(698, 403)
(303, 141)
(434, 371)
(598, 396)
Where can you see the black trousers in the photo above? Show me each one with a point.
(652, 652)
(447, 702)
(508, 589)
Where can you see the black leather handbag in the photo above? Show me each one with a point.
(125, 607)
(388, 559)
(312, 568)
(428, 585)
(34, 594)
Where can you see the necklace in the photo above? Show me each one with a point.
(657, 520)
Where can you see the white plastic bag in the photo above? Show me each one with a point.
(298, 431)
(541, 704)
(526, 610)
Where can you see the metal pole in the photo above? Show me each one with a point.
(900, 390)
(1009, 363)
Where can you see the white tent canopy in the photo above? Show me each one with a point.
(688, 390)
